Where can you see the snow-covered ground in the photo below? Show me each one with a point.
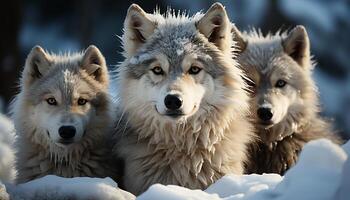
(322, 173)
(53, 187)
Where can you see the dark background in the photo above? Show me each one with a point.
(73, 25)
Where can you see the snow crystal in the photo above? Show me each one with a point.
(133, 60)
(179, 52)
(140, 58)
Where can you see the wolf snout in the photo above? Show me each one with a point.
(265, 114)
(173, 102)
(67, 132)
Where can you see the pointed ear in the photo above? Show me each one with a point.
(138, 27)
(240, 43)
(37, 64)
(215, 25)
(297, 46)
(94, 64)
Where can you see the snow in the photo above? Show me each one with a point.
(321, 173)
(173, 192)
(69, 188)
(140, 58)
(243, 185)
(7, 157)
(179, 52)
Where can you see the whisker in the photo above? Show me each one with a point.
(121, 117)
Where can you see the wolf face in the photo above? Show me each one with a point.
(279, 74)
(173, 63)
(64, 94)
(183, 107)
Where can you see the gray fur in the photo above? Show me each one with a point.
(64, 77)
(266, 59)
(197, 149)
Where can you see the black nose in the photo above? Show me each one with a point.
(67, 132)
(265, 114)
(173, 102)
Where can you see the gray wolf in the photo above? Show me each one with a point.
(62, 116)
(183, 105)
(284, 97)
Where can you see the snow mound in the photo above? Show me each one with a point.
(239, 186)
(7, 157)
(173, 192)
(321, 173)
(79, 188)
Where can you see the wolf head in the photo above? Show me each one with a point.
(279, 74)
(62, 95)
(177, 67)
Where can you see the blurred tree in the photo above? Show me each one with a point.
(10, 16)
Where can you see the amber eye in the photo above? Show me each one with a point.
(82, 101)
(194, 70)
(51, 101)
(280, 83)
(157, 70)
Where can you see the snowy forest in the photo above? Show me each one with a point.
(323, 168)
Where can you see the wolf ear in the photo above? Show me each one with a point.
(215, 25)
(240, 43)
(94, 64)
(37, 64)
(297, 46)
(137, 28)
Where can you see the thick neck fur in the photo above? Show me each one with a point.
(199, 149)
(201, 131)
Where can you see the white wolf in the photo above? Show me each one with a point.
(62, 116)
(284, 101)
(183, 117)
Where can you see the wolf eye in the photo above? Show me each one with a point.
(82, 101)
(157, 70)
(280, 83)
(194, 70)
(51, 101)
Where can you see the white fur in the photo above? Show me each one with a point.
(209, 139)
